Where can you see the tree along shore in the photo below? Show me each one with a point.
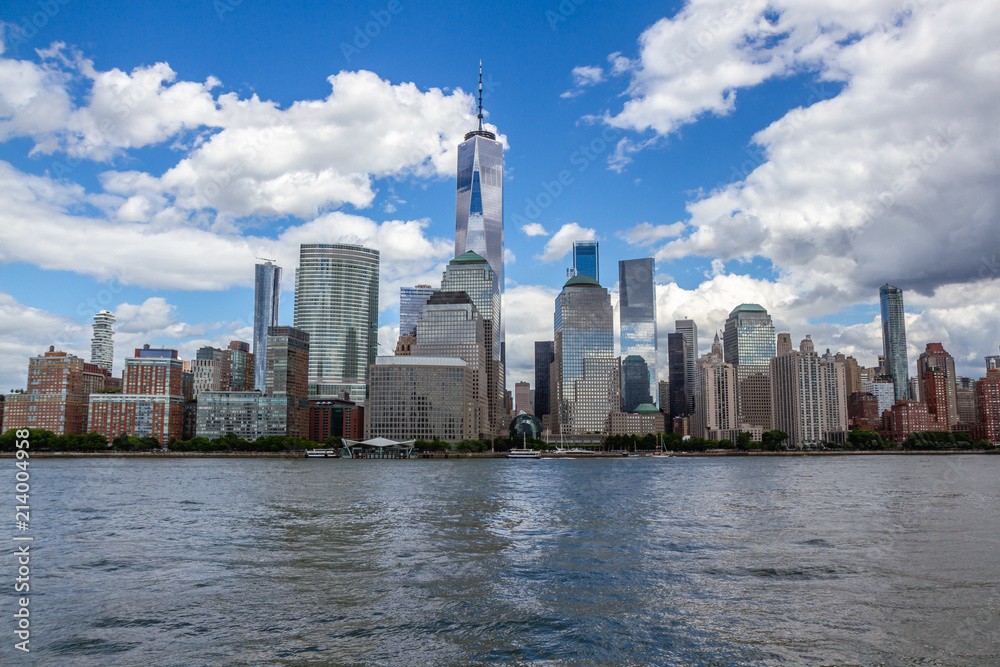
(45, 443)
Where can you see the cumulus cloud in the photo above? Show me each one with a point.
(645, 234)
(242, 156)
(889, 177)
(39, 225)
(562, 241)
(584, 76)
(529, 313)
(534, 229)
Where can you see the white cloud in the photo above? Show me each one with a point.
(890, 179)
(584, 76)
(38, 225)
(562, 241)
(645, 234)
(242, 156)
(529, 317)
(534, 229)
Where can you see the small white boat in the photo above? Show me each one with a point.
(322, 453)
(524, 454)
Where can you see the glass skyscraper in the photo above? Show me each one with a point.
(479, 197)
(411, 302)
(749, 344)
(689, 330)
(585, 260)
(267, 290)
(894, 338)
(587, 376)
(544, 356)
(635, 383)
(637, 314)
(336, 303)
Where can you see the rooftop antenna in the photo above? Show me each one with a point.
(266, 259)
(480, 95)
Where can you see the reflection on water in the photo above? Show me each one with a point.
(640, 560)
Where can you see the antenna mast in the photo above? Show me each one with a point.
(480, 95)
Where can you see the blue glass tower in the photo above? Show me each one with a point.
(637, 312)
(267, 290)
(894, 339)
(585, 260)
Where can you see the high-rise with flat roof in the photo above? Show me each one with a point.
(267, 294)
(936, 377)
(749, 344)
(285, 403)
(635, 383)
(102, 347)
(544, 356)
(55, 398)
(336, 303)
(677, 375)
(450, 326)
(151, 404)
(894, 338)
(637, 315)
(587, 373)
(421, 398)
(689, 330)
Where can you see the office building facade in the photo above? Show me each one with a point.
(472, 274)
(587, 374)
(421, 398)
(450, 326)
(689, 330)
(749, 344)
(336, 303)
(635, 383)
(544, 356)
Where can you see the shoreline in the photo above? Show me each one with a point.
(501, 455)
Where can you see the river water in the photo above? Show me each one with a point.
(663, 561)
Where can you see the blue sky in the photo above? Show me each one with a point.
(797, 155)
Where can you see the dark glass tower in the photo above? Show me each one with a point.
(635, 383)
(637, 312)
(544, 356)
(267, 290)
(894, 338)
(676, 365)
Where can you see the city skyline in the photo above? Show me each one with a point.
(146, 194)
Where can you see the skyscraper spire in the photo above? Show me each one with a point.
(480, 95)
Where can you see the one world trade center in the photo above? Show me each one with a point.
(479, 195)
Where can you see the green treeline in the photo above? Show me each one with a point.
(857, 440)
